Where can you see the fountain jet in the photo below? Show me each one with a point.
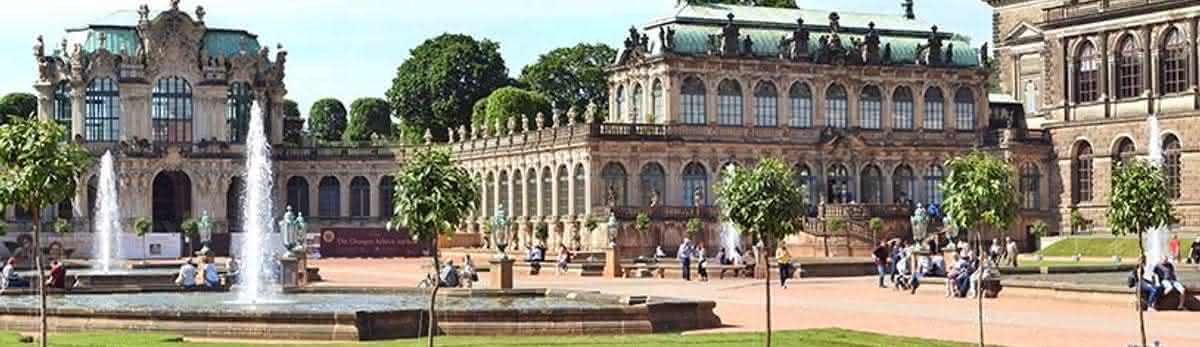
(258, 282)
(106, 247)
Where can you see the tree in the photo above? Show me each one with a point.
(694, 227)
(437, 86)
(876, 225)
(541, 231)
(572, 76)
(190, 227)
(761, 3)
(327, 119)
(510, 102)
(980, 189)
(766, 202)
(368, 116)
(141, 227)
(292, 110)
(432, 196)
(19, 105)
(642, 223)
(1138, 202)
(38, 169)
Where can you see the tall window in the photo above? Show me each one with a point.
(563, 190)
(1081, 173)
(387, 189)
(579, 188)
(691, 100)
(615, 181)
(805, 179)
(622, 114)
(531, 198)
(547, 192)
(766, 105)
(902, 102)
(1087, 74)
(1171, 165)
(871, 108)
(1125, 152)
(839, 184)
(502, 194)
(964, 109)
(654, 183)
(171, 110)
(518, 204)
(1173, 63)
(935, 105)
(656, 98)
(802, 105)
(1031, 179)
(1129, 69)
(872, 185)
(695, 178)
(933, 184)
(329, 197)
(102, 120)
(836, 107)
(360, 197)
(297, 195)
(635, 100)
(904, 185)
(238, 101)
(729, 103)
(62, 105)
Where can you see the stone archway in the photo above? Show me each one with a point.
(171, 201)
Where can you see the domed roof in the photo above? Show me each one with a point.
(120, 33)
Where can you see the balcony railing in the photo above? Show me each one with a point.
(864, 211)
(1005, 136)
(660, 213)
(1090, 7)
(318, 153)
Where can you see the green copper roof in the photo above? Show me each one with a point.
(120, 33)
(768, 16)
(693, 39)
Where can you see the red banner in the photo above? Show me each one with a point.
(368, 243)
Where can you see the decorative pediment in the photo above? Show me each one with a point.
(173, 40)
(841, 139)
(1023, 32)
(102, 63)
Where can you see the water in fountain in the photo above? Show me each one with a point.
(257, 280)
(1156, 236)
(107, 225)
(731, 240)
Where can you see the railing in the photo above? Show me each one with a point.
(660, 213)
(863, 211)
(1026, 136)
(1090, 7)
(629, 130)
(317, 153)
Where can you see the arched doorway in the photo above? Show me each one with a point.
(171, 201)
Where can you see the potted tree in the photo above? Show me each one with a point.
(541, 231)
(141, 228)
(695, 228)
(1078, 223)
(642, 223)
(1037, 230)
(590, 224)
(876, 225)
(832, 226)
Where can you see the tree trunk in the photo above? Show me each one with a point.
(849, 246)
(979, 289)
(437, 279)
(1141, 268)
(41, 276)
(767, 264)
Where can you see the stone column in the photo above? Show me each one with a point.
(783, 103)
(918, 95)
(710, 99)
(749, 117)
(135, 112)
(887, 108)
(208, 102)
(672, 195)
(818, 104)
(78, 107)
(344, 194)
(853, 105)
(373, 207)
(314, 195)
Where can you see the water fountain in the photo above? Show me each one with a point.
(258, 282)
(1156, 236)
(107, 240)
(731, 240)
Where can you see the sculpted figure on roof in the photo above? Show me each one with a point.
(796, 47)
(730, 35)
(871, 41)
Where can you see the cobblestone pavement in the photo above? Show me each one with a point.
(851, 303)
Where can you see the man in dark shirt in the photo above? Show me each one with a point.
(881, 255)
(1165, 272)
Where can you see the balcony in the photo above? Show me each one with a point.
(863, 211)
(662, 213)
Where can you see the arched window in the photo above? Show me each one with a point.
(933, 184)
(654, 183)
(171, 110)
(872, 185)
(238, 101)
(1173, 63)
(518, 204)
(1031, 179)
(1081, 173)
(836, 107)
(691, 100)
(766, 105)
(489, 194)
(695, 178)
(233, 204)
(729, 103)
(579, 188)
(547, 192)
(502, 194)
(802, 105)
(902, 114)
(964, 109)
(635, 100)
(904, 185)
(622, 114)
(102, 121)
(360, 197)
(1129, 69)
(1087, 74)
(62, 105)
(531, 197)
(329, 197)
(656, 98)
(387, 190)
(297, 195)
(805, 179)
(871, 108)
(935, 104)
(564, 189)
(615, 183)
(1171, 165)
(839, 184)
(1125, 151)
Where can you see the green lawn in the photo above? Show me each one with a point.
(814, 337)
(1058, 263)
(1100, 247)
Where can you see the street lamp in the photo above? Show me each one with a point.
(204, 225)
(500, 232)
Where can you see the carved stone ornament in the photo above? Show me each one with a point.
(172, 41)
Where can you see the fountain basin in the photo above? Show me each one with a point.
(362, 313)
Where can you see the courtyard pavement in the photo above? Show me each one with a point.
(850, 303)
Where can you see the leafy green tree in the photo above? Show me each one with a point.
(694, 227)
(980, 188)
(510, 102)
(572, 76)
(766, 202)
(762, 3)
(190, 227)
(19, 105)
(642, 223)
(292, 110)
(876, 225)
(1138, 202)
(141, 227)
(38, 168)
(440, 82)
(541, 231)
(432, 196)
(327, 119)
(369, 116)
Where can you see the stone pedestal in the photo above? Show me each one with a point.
(612, 263)
(501, 273)
(290, 274)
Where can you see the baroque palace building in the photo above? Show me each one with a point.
(1090, 72)
(865, 107)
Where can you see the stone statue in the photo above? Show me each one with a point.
(474, 130)
(729, 37)
(748, 46)
(796, 47)
(511, 125)
(887, 53)
(200, 13)
(834, 25)
(653, 197)
(949, 59)
(174, 5)
(932, 48)
(525, 122)
(589, 115)
(920, 222)
(908, 9)
(541, 121)
(666, 38)
(428, 136)
(610, 196)
(102, 39)
(612, 228)
(983, 54)
(571, 114)
(144, 12)
(698, 197)
(556, 119)
(633, 42)
(39, 47)
(450, 135)
(498, 129)
(462, 133)
(871, 42)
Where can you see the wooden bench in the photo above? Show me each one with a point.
(654, 269)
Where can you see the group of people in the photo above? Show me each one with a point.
(205, 274)
(453, 277)
(9, 278)
(1177, 252)
(686, 254)
(1158, 283)
(898, 262)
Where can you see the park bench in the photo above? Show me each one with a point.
(643, 268)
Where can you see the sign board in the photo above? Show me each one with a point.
(368, 243)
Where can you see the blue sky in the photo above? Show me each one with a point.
(351, 48)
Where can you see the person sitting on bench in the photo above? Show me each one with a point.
(1164, 272)
(1195, 255)
(58, 275)
(449, 275)
(9, 277)
(537, 254)
(1149, 289)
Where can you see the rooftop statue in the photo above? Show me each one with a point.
(729, 37)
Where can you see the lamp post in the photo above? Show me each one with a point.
(205, 228)
(501, 226)
(292, 228)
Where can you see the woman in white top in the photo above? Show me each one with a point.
(187, 275)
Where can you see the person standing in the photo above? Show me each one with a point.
(685, 259)
(701, 262)
(784, 260)
(1012, 251)
(1173, 245)
(881, 256)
